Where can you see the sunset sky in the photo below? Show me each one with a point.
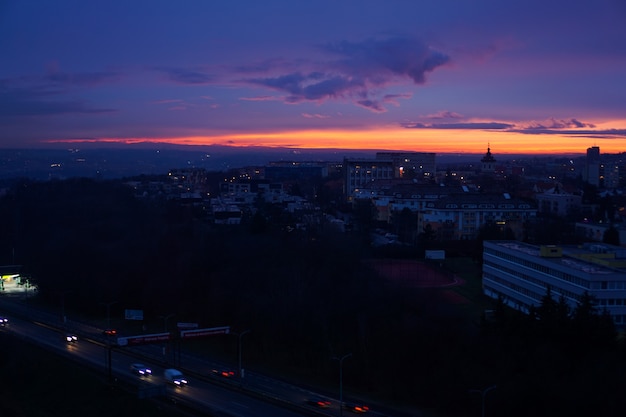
(456, 76)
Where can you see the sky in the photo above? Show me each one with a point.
(448, 76)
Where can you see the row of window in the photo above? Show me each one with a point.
(539, 268)
(514, 287)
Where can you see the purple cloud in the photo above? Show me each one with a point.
(399, 56)
(571, 127)
(559, 124)
(39, 100)
(363, 70)
(314, 116)
(186, 76)
(469, 125)
(444, 115)
(81, 79)
(314, 86)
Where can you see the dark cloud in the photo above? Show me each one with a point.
(363, 70)
(400, 56)
(571, 127)
(81, 79)
(605, 133)
(313, 86)
(559, 124)
(40, 100)
(186, 76)
(444, 115)
(469, 125)
(371, 105)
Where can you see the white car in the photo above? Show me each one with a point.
(140, 369)
(175, 377)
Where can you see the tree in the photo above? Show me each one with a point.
(611, 236)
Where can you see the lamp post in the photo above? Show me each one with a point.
(108, 306)
(239, 348)
(483, 394)
(165, 319)
(341, 380)
(108, 334)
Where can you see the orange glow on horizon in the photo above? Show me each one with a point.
(395, 138)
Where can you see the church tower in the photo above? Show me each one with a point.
(488, 162)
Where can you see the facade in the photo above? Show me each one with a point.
(360, 173)
(557, 202)
(520, 274)
(460, 217)
(593, 167)
(421, 165)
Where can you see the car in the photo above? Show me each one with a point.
(225, 373)
(356, 408)
(318, 402)
(4, 321)
(109, 332)
(174, 376)
(140, 369)
(71, 338)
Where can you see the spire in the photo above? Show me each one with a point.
(488, 156)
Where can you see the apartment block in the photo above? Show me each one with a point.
(521, 274)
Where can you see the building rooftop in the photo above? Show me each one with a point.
(581, 258)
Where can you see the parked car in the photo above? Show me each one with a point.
(140, 369)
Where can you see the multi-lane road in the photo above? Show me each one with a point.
(207, 391)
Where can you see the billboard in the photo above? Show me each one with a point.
(133, 314)
(186, 334)
(143, 339)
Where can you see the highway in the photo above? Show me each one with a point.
(254, 395)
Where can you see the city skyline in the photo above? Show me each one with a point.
(427, 76)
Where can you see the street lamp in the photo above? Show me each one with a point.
(165, 319)
(109, 334)
(239, 348)
(108, 306)
(341, 380)
(483, 394)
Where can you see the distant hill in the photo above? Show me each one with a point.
(107, 162)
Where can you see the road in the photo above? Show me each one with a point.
(256, 395)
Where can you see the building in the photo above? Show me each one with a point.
(488, 163)
(461, 216)
(419, 165)
(520, 274)
(558, 202)
(593, 167)
(360, 173)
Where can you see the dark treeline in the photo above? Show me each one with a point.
(306, 298)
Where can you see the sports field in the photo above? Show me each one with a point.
(419, 274)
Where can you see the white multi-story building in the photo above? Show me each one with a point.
(520, 274)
